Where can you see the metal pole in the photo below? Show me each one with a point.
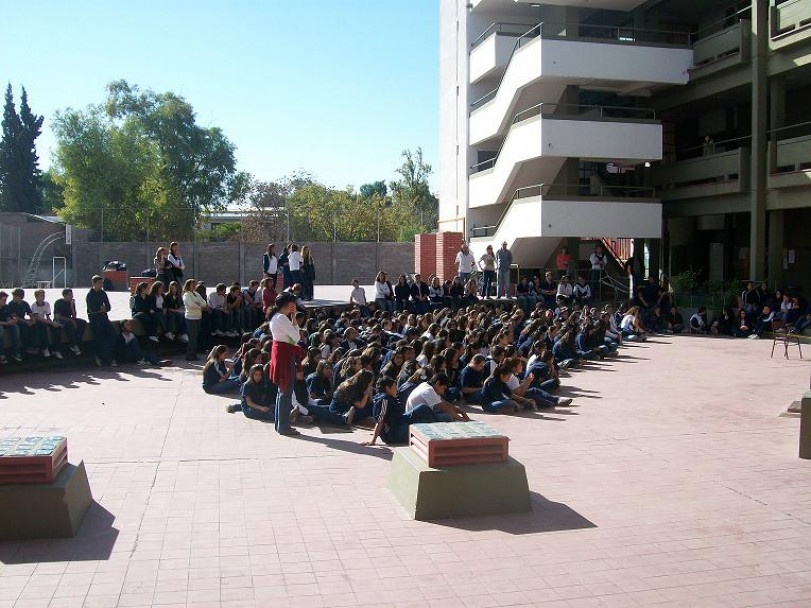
(102, 226)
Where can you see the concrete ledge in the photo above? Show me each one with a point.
(54, 510)
(460, 491)
(805, 426)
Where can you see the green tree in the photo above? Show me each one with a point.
(148, 158)
(412, 192)
(367, 191)
(20, 176)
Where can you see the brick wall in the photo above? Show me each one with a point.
(447, 246)
(425, 254)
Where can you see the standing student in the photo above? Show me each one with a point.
(357, 297)
(402, 294)
(384, 294)
(563, 261)
(98, 305)
(487, 264)
(285, 358)
(465, 262)
(419, 295)
(284, 265)
(307, 274)
(504, 259)
(270, 264)
(163, 268)
(176, 263)
(195, 305)
(73, 328)
(598, 263)
(294, 260)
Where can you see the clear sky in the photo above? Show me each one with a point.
(337, 87)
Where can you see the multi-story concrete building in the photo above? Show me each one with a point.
(566, 120)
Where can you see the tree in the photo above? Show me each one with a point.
(20, 177)
(148, 157)
(413, 192)
(367, 191)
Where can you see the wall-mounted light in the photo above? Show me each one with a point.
(647, 164)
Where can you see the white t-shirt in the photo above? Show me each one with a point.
(627, 323)
(283, 329)
(466, 262)
(565, 289)
(273, 265)
(358, 296)
(41, 311)
(294, 260)
(159, 302)
(597, 262)
(423, 394)
(216, 301)
(513, 383)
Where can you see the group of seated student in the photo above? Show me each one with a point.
(760, 308)
(384, 369)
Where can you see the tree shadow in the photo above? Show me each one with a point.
(93, 542)
(546, 516)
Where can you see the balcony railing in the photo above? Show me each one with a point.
(587, 32)
(574, 191)
(790, 150)
(721, 44)
(569, 111)
(789, 16)
(711, 174)
(502, 29)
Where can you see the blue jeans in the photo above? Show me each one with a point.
(541, 397)
(503, 281)
(284, 402)
(487, 282)
(231, 384)
(465, 276)
(256, 414)
(495, 406)
(398, 430)
(16, 342)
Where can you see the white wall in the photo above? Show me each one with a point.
(600, 218)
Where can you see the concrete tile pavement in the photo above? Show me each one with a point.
(674, 482)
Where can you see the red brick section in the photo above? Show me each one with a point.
(425, 254)
(447, 246)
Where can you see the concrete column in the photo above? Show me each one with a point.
(776, 229)
(777, 116)
(757, 186)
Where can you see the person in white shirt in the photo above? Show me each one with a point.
(565, 290)
(465, 263)
(270, 263)
(430, 393)
(294, 261)
(384, 294)
(42, 315)
(195, 306)
(357, 297)
(285, 358)
(220, 316)
(598, 261)
(176, 265)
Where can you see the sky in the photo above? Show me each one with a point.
(335, 87)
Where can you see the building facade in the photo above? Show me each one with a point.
(681, 124)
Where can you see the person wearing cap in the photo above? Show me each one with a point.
(285, 358)
(9, 325)
(98, 305)
(504, 259)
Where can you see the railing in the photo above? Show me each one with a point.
(563, 190)
(795, 130)
(721, 44)
(790, 148)
(584, 112)
(789, 16)
(505, 29)
(721, 24)
(588, 32)
(712, 147)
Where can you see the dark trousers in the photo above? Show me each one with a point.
(104, 335)
(193, 327)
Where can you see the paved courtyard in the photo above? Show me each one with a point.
(674, 482)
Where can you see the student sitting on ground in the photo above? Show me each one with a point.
(581, 292)
(352, 398)
(258, 400)
(392, 421)
(698, 322)
(631, 325)
(763, 323)
(525, 393)
(431, 394)
(218, 373)
(497, 398)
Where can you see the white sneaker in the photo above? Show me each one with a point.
(753, 336)
(169, 335)
(154, 338)
(113, 363)
(98, 362)
(46, 353)
(76, 351)
(184, 338)
(142, 363)
(57, 354)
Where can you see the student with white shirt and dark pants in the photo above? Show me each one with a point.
(294, 260)
(465, 263)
